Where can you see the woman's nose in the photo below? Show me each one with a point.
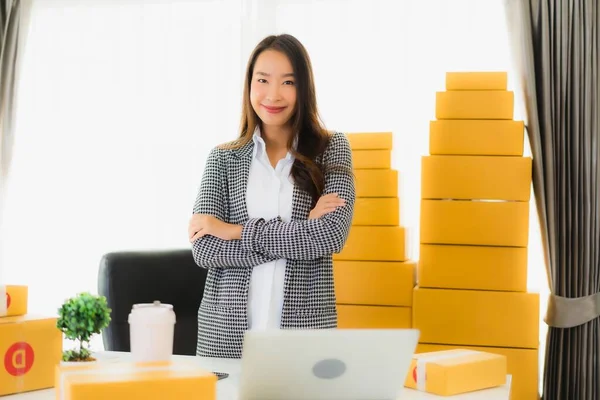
(273, 93)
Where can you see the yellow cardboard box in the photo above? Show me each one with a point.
(371, 159)
(30, 348)
(370, 140)
(473, 267)
(477, 318)
(476, 137)
(376, 182)
(376, 211)
(13, 300)
(374, 283)
(124, 381)
(373, 317)
(476, 177)
(484, 80)
(451, 372)
(522, 364)
(486, 223)
(474, 104)
(374, 243)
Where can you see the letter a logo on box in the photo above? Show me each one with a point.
(415, 375)
(18, 359)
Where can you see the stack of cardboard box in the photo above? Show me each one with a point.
(472, 273)
(374, 279)
(30, 346)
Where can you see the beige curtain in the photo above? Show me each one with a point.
(10, 16)
(557, 45)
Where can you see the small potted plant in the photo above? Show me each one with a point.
(80, 318)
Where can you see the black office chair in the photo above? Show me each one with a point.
(172, 277)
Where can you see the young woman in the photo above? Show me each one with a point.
(272, 208)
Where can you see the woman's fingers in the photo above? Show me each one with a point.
(325, 210)
(197, 235)
(334, 203)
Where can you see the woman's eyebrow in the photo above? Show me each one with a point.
(289, 74)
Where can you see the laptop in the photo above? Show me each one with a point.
(326, 364)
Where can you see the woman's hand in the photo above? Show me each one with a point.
(202, 224)
(326, 204)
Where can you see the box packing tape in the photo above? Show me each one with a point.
(19, 356)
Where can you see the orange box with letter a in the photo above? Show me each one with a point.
(121, 381)
(13, 300)
(451, 372)
(30, 349)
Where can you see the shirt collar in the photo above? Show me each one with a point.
(260, 145)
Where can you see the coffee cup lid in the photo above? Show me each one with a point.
(152, 313)
(155, 304)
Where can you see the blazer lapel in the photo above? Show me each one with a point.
(239, 170)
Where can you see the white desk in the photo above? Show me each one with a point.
(227, 388)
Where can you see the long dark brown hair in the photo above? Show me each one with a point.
(312, 138)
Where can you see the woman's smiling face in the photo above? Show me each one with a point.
(273, 90)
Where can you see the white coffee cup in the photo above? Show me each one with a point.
(151, 331)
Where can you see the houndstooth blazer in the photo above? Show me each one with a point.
(308, 246)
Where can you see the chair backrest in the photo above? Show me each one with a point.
(131, 277)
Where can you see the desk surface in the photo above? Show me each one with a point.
(227, 388)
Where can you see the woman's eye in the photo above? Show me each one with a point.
(261, 80)
(288, 83)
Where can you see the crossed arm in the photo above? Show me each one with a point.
(219, 244)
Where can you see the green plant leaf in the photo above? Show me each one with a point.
(81, 317)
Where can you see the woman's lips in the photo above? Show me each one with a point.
(273, 110)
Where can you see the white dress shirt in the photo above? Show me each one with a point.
(269, 194)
